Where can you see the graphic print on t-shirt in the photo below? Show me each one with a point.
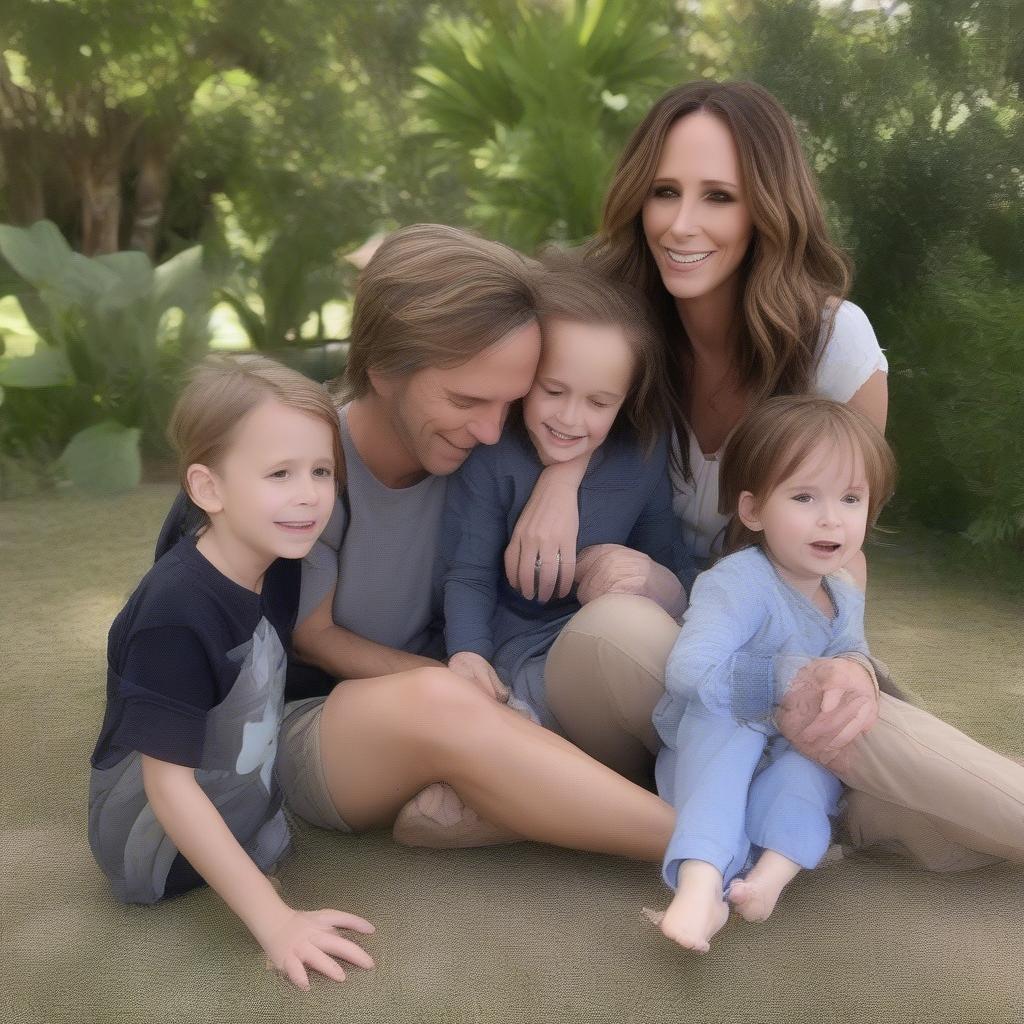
(236, 773)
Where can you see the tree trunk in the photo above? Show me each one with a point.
(100, 192)
(20, 151)
(97, 162)
(24, 183)
(150, 193)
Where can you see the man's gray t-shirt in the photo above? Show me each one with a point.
(380, 556)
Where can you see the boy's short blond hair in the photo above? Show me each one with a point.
(222, 389)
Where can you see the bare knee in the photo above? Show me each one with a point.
(440, 705)
(404, 708)
(439, 689)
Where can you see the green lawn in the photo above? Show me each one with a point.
(513, 934)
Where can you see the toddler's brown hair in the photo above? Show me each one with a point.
(772, 442)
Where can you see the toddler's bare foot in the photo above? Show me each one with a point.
(437, 817)
(755, 896)
(697, 911)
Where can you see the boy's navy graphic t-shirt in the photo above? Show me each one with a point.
(195, 676)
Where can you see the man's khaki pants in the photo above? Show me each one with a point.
(918, 787)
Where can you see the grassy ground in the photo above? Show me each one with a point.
(515, 934)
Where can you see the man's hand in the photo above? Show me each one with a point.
(541, 554)
(614, 569)
(829, 703)
(480, 673)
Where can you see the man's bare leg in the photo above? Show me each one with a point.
(438, 818)
(383, 740)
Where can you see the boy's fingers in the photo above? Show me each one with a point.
(501, 691)
(346, 949)
(320, 961)
(340, 919)
(295, 972)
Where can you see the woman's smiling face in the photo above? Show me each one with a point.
(696, 219)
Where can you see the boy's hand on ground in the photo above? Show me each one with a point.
(308, 939)
(830, 702)
(480, 673)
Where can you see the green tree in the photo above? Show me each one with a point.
(530, 103)
(129, 107)
(912, 114)
(93, 94)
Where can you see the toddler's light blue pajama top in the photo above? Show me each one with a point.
(737, 785)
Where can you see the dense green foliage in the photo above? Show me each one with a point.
(115, 332)
(281, 135)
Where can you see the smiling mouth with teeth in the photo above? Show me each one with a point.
(687, 258)
(561, 436)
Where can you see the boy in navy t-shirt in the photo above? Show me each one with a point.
(195, 676)
(183, 788)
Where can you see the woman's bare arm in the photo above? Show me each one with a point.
(872, 399)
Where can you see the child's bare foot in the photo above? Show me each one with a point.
(437, 817)
(697, 910)
(755, 896)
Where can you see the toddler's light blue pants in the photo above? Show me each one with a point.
(728, 809)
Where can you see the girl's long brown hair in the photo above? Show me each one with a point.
(793, 276)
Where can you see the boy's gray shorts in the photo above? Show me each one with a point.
(300, 768)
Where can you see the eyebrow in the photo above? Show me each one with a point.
(289, 460)
(814, 487)
(714, 182)
(555, 381)
(463, 397)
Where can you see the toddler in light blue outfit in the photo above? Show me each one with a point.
(805, 477)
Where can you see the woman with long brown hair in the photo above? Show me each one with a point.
(714, 215)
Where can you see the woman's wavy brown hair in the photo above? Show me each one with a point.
(794, 277)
